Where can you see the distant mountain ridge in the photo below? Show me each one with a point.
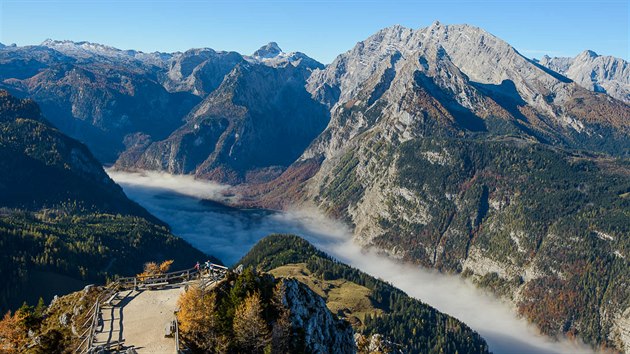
(116, 100)
(85, 49)
(97, 99)
(595, 72)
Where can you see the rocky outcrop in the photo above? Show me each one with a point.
(409, 326)
(322, 332)
(621, 330)
(595, 72)
(198, 71)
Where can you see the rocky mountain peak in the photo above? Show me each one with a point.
(436, 25)
(588, 54)
(457, 74)
(269, 50)
(480, 55)
(271, 55)
(199, 70)
(393, 29)
(599, 73)
(49, 41)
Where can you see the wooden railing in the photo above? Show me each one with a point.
(177, 348)
(171, 278)
(127, 283)
(92, 321)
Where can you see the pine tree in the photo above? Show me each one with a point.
(40, 308)
(250, 329)
(281, 330)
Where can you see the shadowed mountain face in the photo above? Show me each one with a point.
(41, 167)
(63, 221)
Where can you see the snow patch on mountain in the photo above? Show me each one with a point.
(270, 50)
(272, 55)
(86, 50)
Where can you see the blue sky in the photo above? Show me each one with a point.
(320, 28)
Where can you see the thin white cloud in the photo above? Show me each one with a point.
(182, 184)
(229, 233)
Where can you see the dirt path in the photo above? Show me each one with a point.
(144, 320)
(138, 319)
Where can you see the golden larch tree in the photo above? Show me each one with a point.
(250, 329)
(196, 318)
(12, 333)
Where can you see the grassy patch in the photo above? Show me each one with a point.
(344, 298)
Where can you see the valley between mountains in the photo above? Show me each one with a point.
(439, 148)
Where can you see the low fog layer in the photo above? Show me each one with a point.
(229, 233)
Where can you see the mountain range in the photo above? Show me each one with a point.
(448, 148)
(441, 146)
(597, 73)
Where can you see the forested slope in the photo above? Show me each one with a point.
(401, 321)
(63, 221)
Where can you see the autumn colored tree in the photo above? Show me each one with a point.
(165, 266)
(250, 329)
(13, 333)
(244, 313)
(196, 317)
(152, 269)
